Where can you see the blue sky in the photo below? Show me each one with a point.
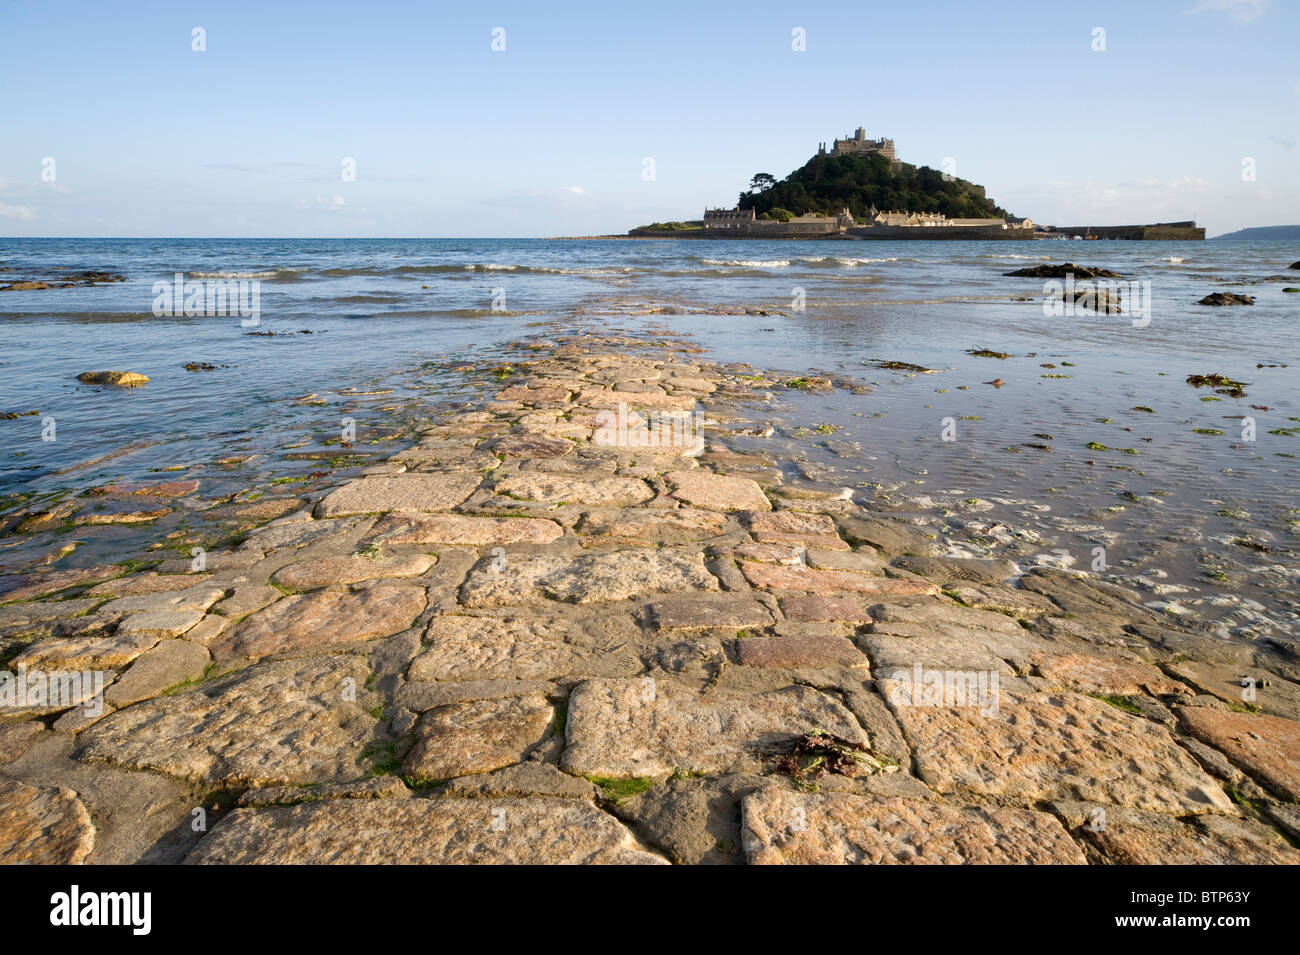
(548, 137)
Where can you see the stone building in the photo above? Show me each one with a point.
(859, 145)
(728, 219)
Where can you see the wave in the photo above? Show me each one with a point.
(845, 262)
(748, 263)
(1173, 260)
(281, 273)
(461, 268)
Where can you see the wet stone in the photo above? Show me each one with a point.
(716, 492)
(588, 578)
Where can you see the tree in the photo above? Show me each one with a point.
(761, 181)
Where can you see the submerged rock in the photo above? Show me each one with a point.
(123, 379)
(1227, 298)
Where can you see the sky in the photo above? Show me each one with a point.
(591, 118)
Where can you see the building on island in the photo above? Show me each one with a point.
(859, 145)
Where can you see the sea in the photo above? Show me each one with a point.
(1085, 447)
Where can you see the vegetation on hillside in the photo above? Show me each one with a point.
(827, 184)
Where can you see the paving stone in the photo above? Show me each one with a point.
(317, 572)
(138, 584)
(794, 527)
(43, 826)
(807, 580)
(420, 697)
(322, 618)
(86, 653)
(1105, 675)
(783, 827)
(1022, 603)
(522, 648)
(167, 664)
(552, 488)
(716, 492)
(819, 608)
(652, 524)
(889, 537)
(531, 446)
(284, 723)
(587, 578)
(707, 610)
(1053, 746)
(949, 569)
(400, 492)
(648, 727)
(862, 563)
(477, 737)
(1132, 837)
(199, 597)
(381, 787)
(1266, 747)
(17, 738)
(1271, 694)
(461, 530)
(163, 624)
(796, 652)
(444, 831)
(247, 598)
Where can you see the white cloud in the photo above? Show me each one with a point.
(1243, 11)
(16, 212)
(578, 190)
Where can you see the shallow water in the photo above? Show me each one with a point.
(1205, 522)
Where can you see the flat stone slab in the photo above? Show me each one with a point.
(890, 537)
(806, 580)
(717, 492)
(167, 664)
(86, 653)
(283, 723)
(399, 492)
(553, 488)
(540, 830)
(653, 524)
(1053, 746)
(1271, 694)
(942, 636)
(783, 827)
(587, 578)
(693, 612)
(1130, 837)
(997, 597)
(21, 587)
(462, 530)
(1266, 747)
(40, 826)
(801, 651)
(198, 597)
(647, 727)
(793, 527)
(161, 624)
(317, 572)
(322, 618)
(478, 736)
(531, 446)
(825, 609)
(520, 648)
(1106, 675)
(975, 569)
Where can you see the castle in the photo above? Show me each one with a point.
(859, 145)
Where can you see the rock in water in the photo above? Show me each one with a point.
(1227, 298)
(124, 379)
